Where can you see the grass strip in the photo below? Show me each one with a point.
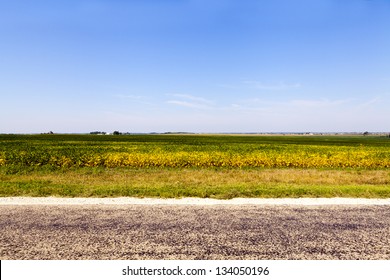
(212, 183)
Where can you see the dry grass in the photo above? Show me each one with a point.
(119, 176)
(223, 183)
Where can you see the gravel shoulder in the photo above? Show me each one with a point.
(203, 232)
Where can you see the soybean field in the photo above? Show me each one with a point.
(221, 166)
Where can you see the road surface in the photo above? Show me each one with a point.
(194, 232)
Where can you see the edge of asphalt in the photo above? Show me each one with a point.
(189, 201)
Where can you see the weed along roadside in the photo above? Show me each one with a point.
(206, 166)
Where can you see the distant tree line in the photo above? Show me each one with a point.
(116, 132)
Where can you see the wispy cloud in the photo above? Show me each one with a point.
(318, 103)
(186, 104)
(193, 98)
(274, 87)
(258, 85)
(292, 105)
(370, 102)
(190, 101)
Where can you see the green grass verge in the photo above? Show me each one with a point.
(43, 189)
(205, 183)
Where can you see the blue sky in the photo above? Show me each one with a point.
(194, 65)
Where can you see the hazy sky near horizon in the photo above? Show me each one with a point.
(194, 65)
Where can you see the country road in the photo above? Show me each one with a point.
(194, 232)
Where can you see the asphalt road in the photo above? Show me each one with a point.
(194, 232)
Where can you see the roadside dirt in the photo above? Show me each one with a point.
(194, 232)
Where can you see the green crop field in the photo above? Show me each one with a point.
(220, 166)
